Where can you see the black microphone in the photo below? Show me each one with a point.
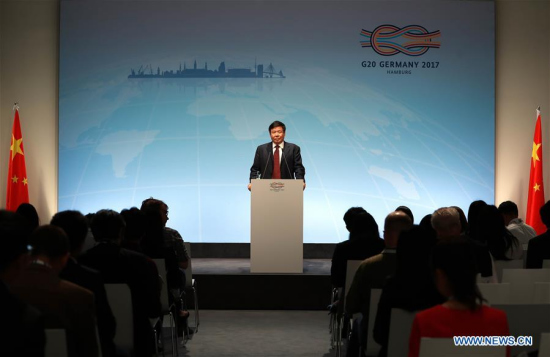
(268, 157)
(288, 168)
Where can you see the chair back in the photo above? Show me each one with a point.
(495, 293)
(445, 347)
(522, 283)
(351, 269)
(372, 347)
(120, 300)
(500, 265)
(542, 294)
(56, 343)
(164, 300)
(526, 320)
(546, 264)
(189, 270)
(544, 346)
(400, 329)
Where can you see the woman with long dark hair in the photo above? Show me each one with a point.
(463, 313)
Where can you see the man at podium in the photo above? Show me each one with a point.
(277, 159)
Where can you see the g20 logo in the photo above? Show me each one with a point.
(389, 40)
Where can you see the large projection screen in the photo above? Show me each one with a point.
(391, 102)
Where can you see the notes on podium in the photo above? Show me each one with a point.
(277, 226)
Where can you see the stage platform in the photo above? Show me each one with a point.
(226, 283)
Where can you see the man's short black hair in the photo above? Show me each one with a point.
(50, 241)
(107, 226)
(508, 207)
(545, 214)
(350, 215)
(277, 123)
(75, 226)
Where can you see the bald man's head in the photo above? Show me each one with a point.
(395, 223)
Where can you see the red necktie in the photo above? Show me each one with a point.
(276, 164)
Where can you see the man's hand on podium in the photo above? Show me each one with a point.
(249, 186)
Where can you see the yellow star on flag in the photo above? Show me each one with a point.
(537, 187)
(14, 179)
(535, 154)
(15, 147)
(25, 181)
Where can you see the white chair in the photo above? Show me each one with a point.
(120, 300)
(526, 320)
(166, 307)
(522, 283)
(56, 343)
(191, 286)
(495, 293)
(500, 265)
(544, 346)
(445, 347)
(541, 294)
(372, 347)
(351, 269)
(400, 329)
(546, 264)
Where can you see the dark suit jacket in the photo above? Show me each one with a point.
(64, 305)
(22, 331)
(356, 249)
(538, 250)
(91, 279)
(291, 162)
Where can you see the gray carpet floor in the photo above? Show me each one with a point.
(258, 333)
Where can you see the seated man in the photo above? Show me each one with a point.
(64, 304)
(521, 230)
(539, 247)
(372, 274)
(122, 266)
(75, 225)
(23, 331)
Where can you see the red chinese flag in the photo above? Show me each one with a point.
(17, 191)
(536, 187)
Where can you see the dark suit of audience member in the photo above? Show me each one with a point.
(122, 266)
(75, 226)
(412, 287)
(64, 304)
(539, 247)
(364, 242)
(22, 328)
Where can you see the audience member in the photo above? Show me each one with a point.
(539, 247)
(372, 274)
(121, 266)
(446, 222)
(172, 238)
(426, 225)
(75, 225)
(64, 304)
(412, 287)
(407, 211)
(135, 229)
(22, 332)
(28, 212)
(364, 242)
(473, 219)
(501, 243)
(463, 220)
(521, 230)
(462, 314)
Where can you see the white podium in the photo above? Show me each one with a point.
(277, 226)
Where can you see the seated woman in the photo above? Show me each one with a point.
(462, 314)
